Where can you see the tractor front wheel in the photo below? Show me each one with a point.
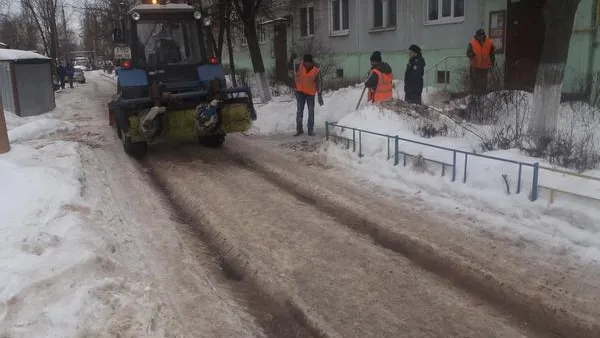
(133, 149)
(212, 141)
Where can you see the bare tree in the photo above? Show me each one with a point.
(247, 11)
(559, 16)
(96, 21)
(19, 32)
(44, 14)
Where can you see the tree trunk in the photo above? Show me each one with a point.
(257, 60)
(223, 11)
(559, 16)
(230, 51)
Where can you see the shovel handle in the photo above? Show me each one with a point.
(361, 97)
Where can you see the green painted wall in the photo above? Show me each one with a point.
(584, 55)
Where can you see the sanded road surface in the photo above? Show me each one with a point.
(347, 284)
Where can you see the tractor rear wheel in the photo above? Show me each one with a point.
(133, 149)
(212, 141)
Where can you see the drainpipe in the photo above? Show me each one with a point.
(4, 144)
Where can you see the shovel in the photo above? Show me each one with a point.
(363, 91)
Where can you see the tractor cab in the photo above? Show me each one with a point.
(166, 40)
(168, 87)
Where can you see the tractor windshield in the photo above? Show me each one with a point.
(168, 43)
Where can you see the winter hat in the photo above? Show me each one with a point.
(376, 56)
(415, 48)
(308, 58)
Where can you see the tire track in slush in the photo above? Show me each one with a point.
(193, 158)
(277, 316)
(269, 315)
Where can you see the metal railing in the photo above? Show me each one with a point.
(393, 151)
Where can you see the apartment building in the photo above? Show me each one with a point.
(348, 31)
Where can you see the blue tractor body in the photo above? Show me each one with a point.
(168, 87)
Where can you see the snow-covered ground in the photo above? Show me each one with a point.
(81, 254)
(55, 279)
(570, 221)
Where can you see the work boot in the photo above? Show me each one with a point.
(311, 133)
(299, 133)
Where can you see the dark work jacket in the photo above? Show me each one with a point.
(413, 77)
(61, 70)
(70, 70)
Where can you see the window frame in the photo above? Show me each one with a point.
(308, 27)
(342, 31)
(444, 20)
(385, 16)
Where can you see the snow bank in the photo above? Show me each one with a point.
(279, 115)
(566, 222)
(36, 128)
(42, 243)
(58, 277)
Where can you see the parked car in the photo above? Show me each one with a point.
(78, 75)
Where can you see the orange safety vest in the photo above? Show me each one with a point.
(384, 88)
(306, 80)
(482, 52)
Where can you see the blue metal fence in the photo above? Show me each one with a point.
(395, 152)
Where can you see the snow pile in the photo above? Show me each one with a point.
(52, 277)
(490, 185)
(16, 54)
(279, 115)
(578, 121)
(36, 128)
(59, 278)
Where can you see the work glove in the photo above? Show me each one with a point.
(320, 99)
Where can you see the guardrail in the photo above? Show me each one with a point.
(393, 151)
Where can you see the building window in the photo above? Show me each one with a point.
(340, 15)
(307, 21)
(384, 13)
(443, 77)
(445, 11)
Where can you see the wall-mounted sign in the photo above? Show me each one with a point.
(497, 29)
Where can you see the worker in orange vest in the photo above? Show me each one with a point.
(308, 84)
(481, 53)
(379, 82)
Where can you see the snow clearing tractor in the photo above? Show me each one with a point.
(168, 87)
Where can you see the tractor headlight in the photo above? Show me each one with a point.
(197, 15)
(207, 21)
(135, 16)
